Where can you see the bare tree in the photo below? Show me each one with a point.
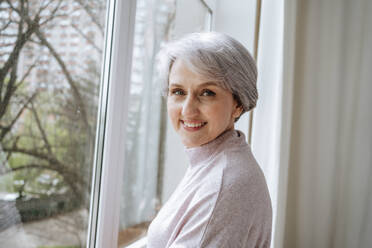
(25, 23)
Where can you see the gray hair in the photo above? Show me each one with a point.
(218, 57)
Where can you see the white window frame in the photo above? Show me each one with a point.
(111, 126)
(211, 6)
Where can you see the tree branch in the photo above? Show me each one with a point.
(77, 96)
(5, 26)
(92, 16)
(26, 167)
(52, 15)
(14, 145)
(86, 38)
(5, 130)
(41, 129)
(69, 176)
(10, 89)
(27, 73)
(22, 38)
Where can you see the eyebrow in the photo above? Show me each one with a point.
(208, 84)
(199, 86)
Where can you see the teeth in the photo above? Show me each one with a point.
(193, 124)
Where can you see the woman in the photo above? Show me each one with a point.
(223, 200)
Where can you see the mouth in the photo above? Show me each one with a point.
(192, 125)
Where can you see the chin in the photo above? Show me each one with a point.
(194, 143)
(191, 143)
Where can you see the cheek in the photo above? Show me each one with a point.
(220, 113)
(172, 110)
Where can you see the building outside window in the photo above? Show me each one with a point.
(48, 113)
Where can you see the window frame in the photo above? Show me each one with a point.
(111, 124)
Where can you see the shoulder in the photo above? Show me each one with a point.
(243, 187)
(241, 170)
(242, 211)
(235, 170)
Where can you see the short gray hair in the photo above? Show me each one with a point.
(218, 57)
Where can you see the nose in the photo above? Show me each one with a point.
(190, 106)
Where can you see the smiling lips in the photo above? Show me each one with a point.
(193, 126)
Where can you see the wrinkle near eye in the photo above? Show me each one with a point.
(177, 92)
(207, 92)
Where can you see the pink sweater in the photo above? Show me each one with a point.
(222, 200)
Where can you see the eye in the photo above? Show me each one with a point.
(178, 92)
(208, 93)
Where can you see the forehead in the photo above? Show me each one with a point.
(182, 74)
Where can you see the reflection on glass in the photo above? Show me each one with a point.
(50, 60)
(156, 22)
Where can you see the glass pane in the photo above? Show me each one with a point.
(156, 22)
(185, 22)
(50, 63)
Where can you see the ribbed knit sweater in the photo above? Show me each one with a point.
(222, 200)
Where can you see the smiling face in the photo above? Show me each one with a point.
(199, 109)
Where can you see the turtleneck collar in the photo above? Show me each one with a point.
(228, 139)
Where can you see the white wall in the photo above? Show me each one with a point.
(237, 19)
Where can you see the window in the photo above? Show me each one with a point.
(47, 123)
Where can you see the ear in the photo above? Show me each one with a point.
(238, 110)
